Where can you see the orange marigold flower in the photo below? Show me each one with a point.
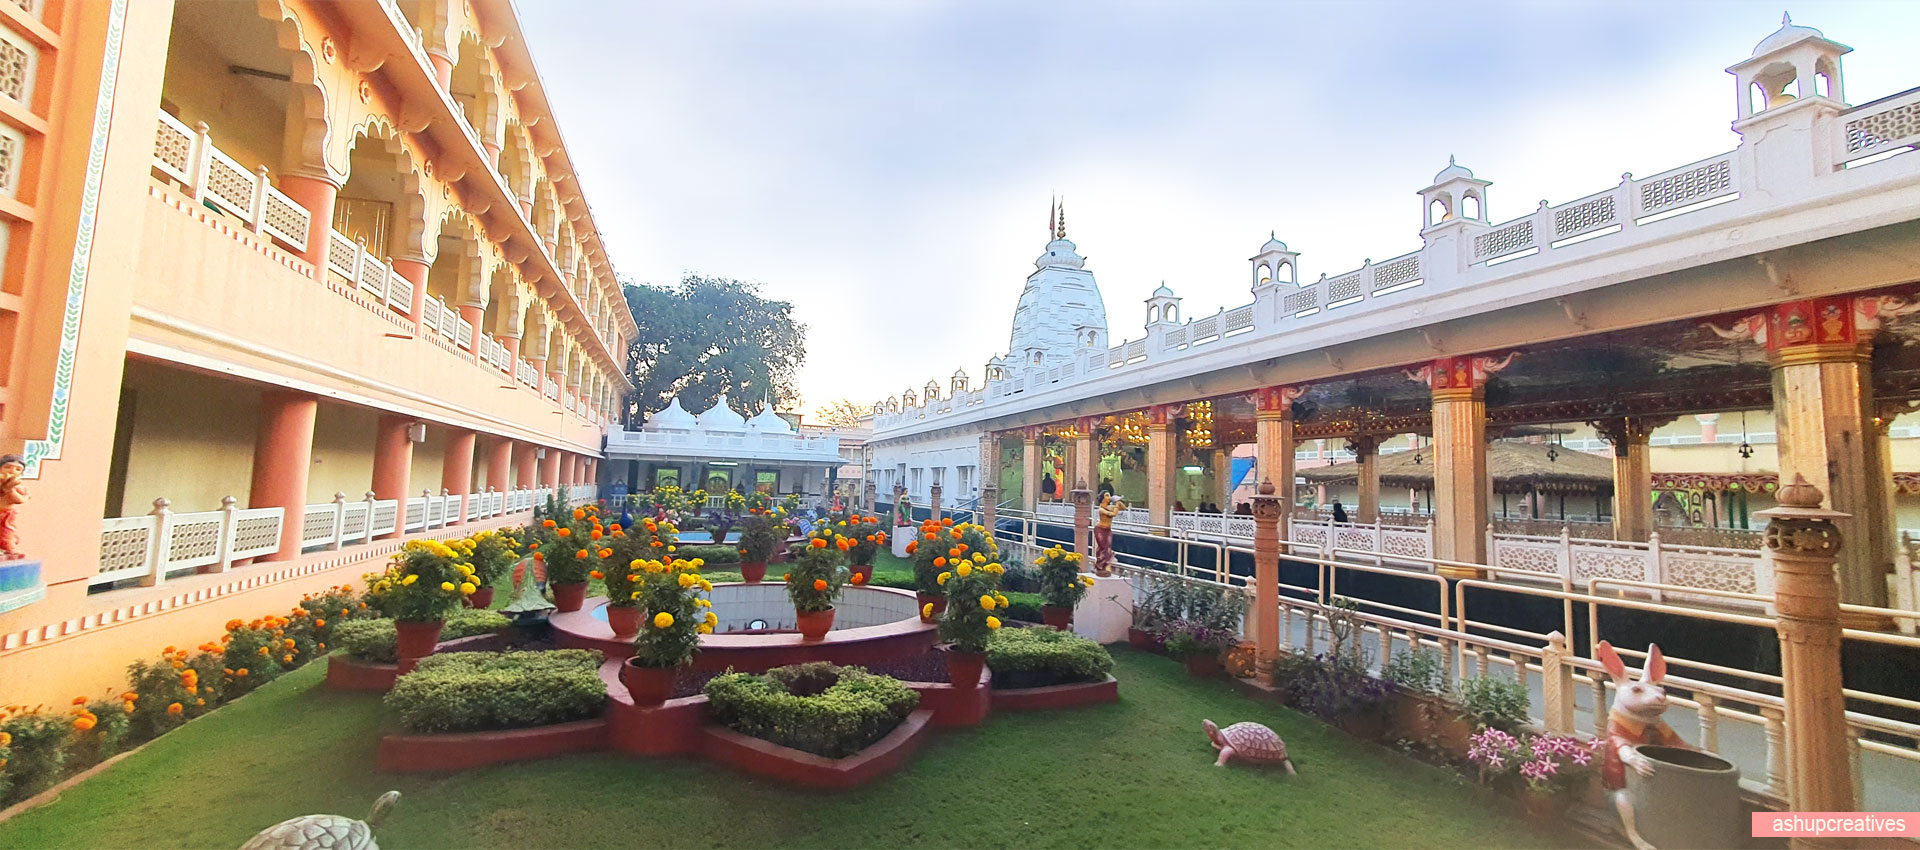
(565, 532)
(174, 708)
(606, 553)
(83, 723)
(242, 672)
(596, 574)
(581, 554)
(939, 562)
(859, 578)
(129, 696)
(595, 534)
(79, 700)
(319, 624)
(819, 544)
(819, 584)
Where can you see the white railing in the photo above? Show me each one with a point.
(1887, 124)
(209, 176)
(151, 547)
(770, 446)
(349, 259)
(331, 525)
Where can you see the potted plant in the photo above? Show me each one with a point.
(1418, 709)
(492, 553)
(1061, 586)
(425, 580)
(570, 555)
(972, 584)
(673, 615)
(867, 537)
(1551, 769)
(941, 544)
(760, 534)
(625, 552)
(1494, 701)
(814, 582)
(1198, 644)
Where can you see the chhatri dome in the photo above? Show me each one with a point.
(674, 417)
(720, 417)
(1788, 33)
(769, 422)
(1060, 311)
(1274, 243)
(1452, 170)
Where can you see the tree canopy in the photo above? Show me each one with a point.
(842, 413)
(710, 336)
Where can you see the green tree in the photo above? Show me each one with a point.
(710, 336)
(842, 413)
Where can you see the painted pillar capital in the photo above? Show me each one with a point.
(1276, 402)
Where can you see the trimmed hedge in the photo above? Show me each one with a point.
(1038, 657)
(815, 707)
(715, 554)
(472, 691)
(374, 640)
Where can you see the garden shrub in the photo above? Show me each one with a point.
(1024, 607)
(1497, 701)
(472, 691)
(815, 707)
(710, 554)
(37, 753)
(1421, 671)
(1034, 658)
(374, 640)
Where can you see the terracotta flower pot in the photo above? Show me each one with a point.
(416, 640)
(1546, 807)
(963, 668)
(648, 686)
(1057, 616)
(939, 604)
(569, 597)
(481, 599)
(1142, 639)
(813, 625)
(864, 571)
(624, 619)
(1204, 664)
(753, 571)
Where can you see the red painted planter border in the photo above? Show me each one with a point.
(347, 673)
(1057, 696)
(758, 653)
(764, 758)
(953, 706)
(462, 750)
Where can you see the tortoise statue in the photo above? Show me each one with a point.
(325, 832)
(1250, 741)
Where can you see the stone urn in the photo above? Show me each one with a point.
(1692, 799)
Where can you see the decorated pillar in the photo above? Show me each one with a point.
(1162, 455)
(392, 462)
(1085, 472)
(282, 457)
(1030, 469)
(989, 469)
(933, 501)
(1267, 508)
(317, 195)
(1082, 520)
(456, 470)
(1273, 441)
(1223, 477)
(1461, 494)
(1823, 410)
(549, 467)
(1366, 453)
(1632, 473)
(1803, 540)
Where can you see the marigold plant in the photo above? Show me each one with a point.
(571, 548)
(974, 602)
(626, 550)
(492, 553)
(867, 536)
(675, 611)
(760, 534)
(1061, 583)
(939, 545)
(425, 580)
(813, 581)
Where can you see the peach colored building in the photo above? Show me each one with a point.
(284, 283)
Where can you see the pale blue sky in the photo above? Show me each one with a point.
(886, 166)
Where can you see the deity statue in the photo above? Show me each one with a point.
(1110, 507)
(13, 494)
(902, 511)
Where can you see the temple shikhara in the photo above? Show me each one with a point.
(328, 430)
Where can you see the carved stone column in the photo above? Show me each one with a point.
(1223, 476)
(1267, 508)
(1460, 490)
(1030, 470)
(933, 501)
(1366, 453)
(1803, 540)
(1083, 521)
(1162, 451)
(1632, 473)
(1273, 440)
(1085, 470)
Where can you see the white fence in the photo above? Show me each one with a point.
(209, 176)
(152, 547)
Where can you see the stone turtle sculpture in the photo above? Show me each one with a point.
(325, 832)
(1250, 741)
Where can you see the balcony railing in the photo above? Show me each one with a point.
(211, 177)
(157, 546)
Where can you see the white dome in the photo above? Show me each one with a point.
(1452, 170)
(1788, 33)
(1273, 244)
(1163, 292)
(1060, 253)
(674, 416)
(769, 422)
(721, 417)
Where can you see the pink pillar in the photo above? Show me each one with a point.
(475, 316)
(282, 457)
(392, 461)
(499, 463)
(493, 154)
(317, 195)
(415, 271)
(550, 469)
(524, 473)
(513, 348)
(456, 473)
(442, 69)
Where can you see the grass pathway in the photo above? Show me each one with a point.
(1134, 774)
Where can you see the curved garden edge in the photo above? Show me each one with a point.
(347, 673)
(1058, 696)
(462, 750)
(770, 760)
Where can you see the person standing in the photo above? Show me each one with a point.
(1339, 513)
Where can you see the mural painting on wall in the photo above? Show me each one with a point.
(13, 494)
(666, 477)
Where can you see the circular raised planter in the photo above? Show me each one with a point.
(755, 633)
(1057, 696)
(764, 758)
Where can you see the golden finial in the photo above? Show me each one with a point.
(1061, 232)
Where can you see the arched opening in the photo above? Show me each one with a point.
(1756, 98)
(1153, 315)
(1437, 212)
(1173, 313)
(503, 302)
(474, 87)
(1824, 73)
(1470, 206)
(1264, 274)
(544, 216)
(455, 274)
(515, 164)
(257, 98)
(1286, 272)
(380, 204)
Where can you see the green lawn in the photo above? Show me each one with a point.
(1134, 774)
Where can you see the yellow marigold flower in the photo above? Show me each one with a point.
(703, 603)
(635, 564)
(986, 602)
(446, 585)
(410, 579)
(685, 580)
(1086, 580)
(704, 629)
(942, 578)
(979, 558)
(993, 622)
(706, 585)
(467, 587)
(926, 610)
(662, 620)
(712, 618)
(963, 570)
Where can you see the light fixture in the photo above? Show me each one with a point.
(1746, 448)
(724, 463)
(1193, 469)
